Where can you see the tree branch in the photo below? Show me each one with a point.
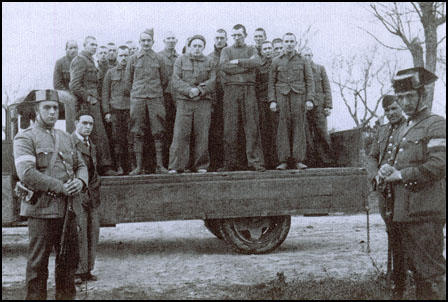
(387, 46)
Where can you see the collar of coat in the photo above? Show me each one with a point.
(79, 143)
(170, 53)
(419, 115)
(285, 54)
(150, 53)
(200, 58)
(87, 54)
(218, 50)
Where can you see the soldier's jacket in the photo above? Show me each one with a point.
(290, 73)
(421, 158)
(92, 191)
(61, 74)
(170, 58)
(112, 64)
(322, 89)
(190, 72)
(146, 75)
(244, 72)
(113, 95)
(33, 149)
(262, 77)
(382, 147)
(84, 77)
(215, 55)
(102, 69)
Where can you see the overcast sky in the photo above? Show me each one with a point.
(34, 34)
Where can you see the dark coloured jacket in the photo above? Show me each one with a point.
(190, 72)
(89, 154)
(291, 73)
(421, 159)
(244, 72)
(215, 55)
(146, 75)
(33, 150)
(84, 77)
(113, 96)
(102, 69)
(322, 89)
(61, 74)
(170, 58)
(262, 79)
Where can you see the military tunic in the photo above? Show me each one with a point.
(33, 150)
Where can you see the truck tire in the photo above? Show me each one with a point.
(215, 227)
(256, 235)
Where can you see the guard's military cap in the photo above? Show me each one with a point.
(37, 96)
(412, 79)
(200, 37)
(388, 100)
(149, 31)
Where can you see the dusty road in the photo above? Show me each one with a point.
(182, 260)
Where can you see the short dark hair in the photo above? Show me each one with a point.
(289, 34)
(277, 40)
(83, 112)
(111, 43)
(221, 30)
(262, 29)
(70, 41)
(123, 47)
(88, 38)
(102, 46)
(240, 26)
(266, 42)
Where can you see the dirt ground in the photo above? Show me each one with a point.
(182, 260)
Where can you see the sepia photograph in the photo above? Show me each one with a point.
(224, 150)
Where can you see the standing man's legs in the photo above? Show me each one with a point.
(283, 130)
(323, 141)
(180, 147)
(232, 95)
(201, 128)
(298, 114)
(217, 133)
(94, 235)
(157, 121)
(138, 119)
(170, 110)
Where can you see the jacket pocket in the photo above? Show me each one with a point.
(187, 72)
(92, 75)
(430, 200)
(43, 157)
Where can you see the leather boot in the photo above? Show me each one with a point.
(119, 161)
(160, 169)
(139, 169)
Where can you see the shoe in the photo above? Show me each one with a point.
(120, 171)
(282, 166)
(161, 170)
(172, 171)
(202, 170)
(257, 168)
(136, 171)
(79, 278)
(301, 166)
(110, 172)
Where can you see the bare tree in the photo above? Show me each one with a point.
(304, 37)
(362, 81)
(399, 18)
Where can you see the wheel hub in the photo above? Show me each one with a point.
(252, 228)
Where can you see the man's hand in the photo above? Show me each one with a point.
(194, 92)
(91, 100)
(309, 105)
(73, 186)
(108, 117)
(327, 111)
(385, 170)
(273, 106)
(234, 61)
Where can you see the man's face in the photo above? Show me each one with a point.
(72, 49)
(278, 48)
(408, 101)
(238, 36)
(85, 125)
(393, 112)
(289, 43)
(146, 41)
(132, 48)
(267, 50)
(102, 54)
(308, 56)
(196, 47)
(220, 40)
(112, 53)
(259, 37)
(123, 55)
(48, 112)
(170, 41)
(91, 46)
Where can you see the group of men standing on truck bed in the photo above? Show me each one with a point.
(239, 108)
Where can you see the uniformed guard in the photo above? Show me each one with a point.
(381, 153)
(61, 80)
(417, 179)
(291, 89)
(49, 167)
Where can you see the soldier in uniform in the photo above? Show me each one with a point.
(319, 137)
(381, 153)
(146, 77)
(193, 81)
(133, 48)
(238, 64)
(87, 210)
(259, 38)
(84, 85)
(61, 79)
(115, 106)
(416, 178)
(277, 44)
(215, 143)
(112, 54)
(170, 55)
(48, 164)
(291, 88)
(267, 118)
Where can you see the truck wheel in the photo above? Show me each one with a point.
(256, 235)
(215, 227)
